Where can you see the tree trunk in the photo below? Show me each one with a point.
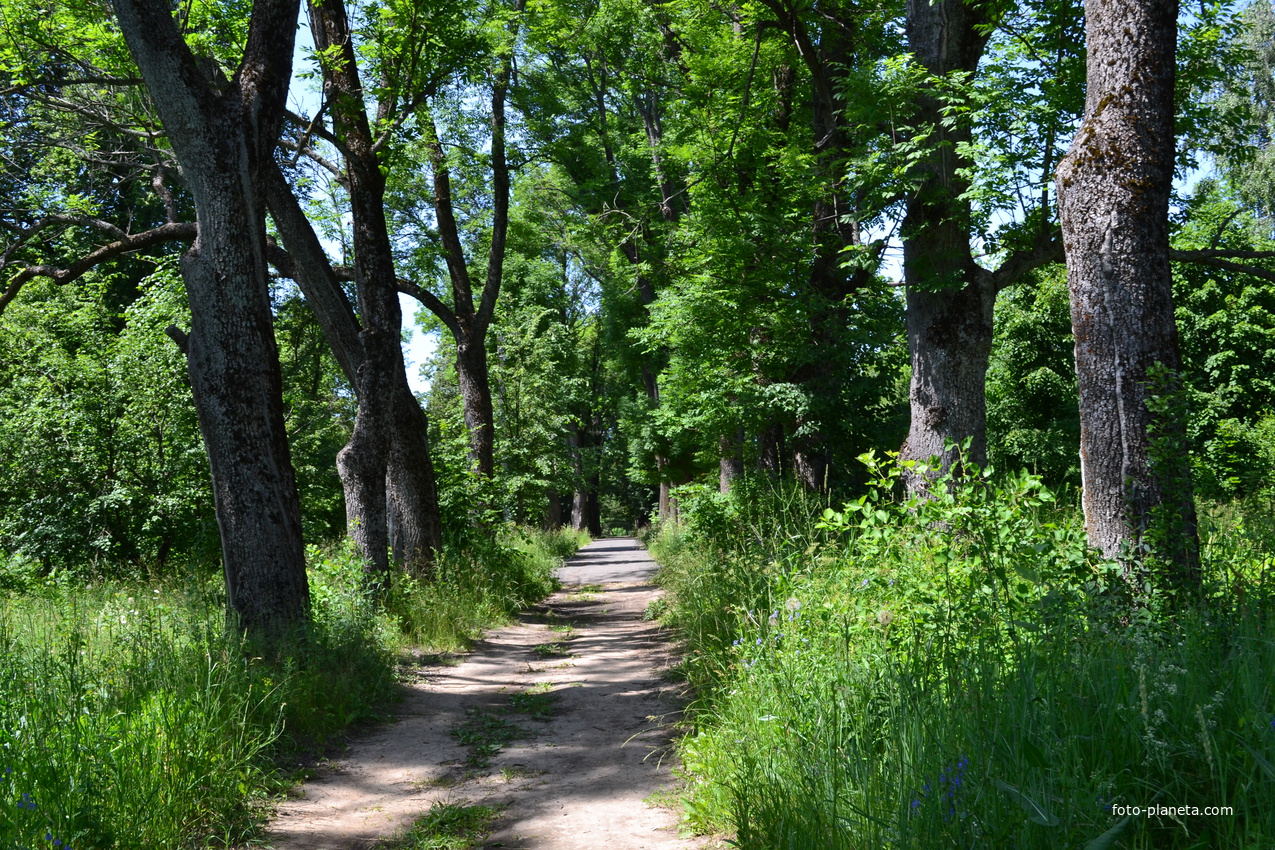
(949, 298)
(810, 456)
(731, 461)
(411, 489)
(553, 513)
(224, 136)
(950, 338)
(475, 393)
(1113, 191)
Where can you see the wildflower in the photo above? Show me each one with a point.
(916, 804)
(759, 641)
(885, 617)
(27, 803)
(793, 603)
(865, 583)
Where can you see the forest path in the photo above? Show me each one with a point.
(573, 690)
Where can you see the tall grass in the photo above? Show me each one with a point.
(479, 587)
(962, 672)
(130, 717)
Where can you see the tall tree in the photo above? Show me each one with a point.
(950, 297)
(224, 134)
(1113, 190)
(469, 315)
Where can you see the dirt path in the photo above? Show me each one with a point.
(574, 694)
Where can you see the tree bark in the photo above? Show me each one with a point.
(1113, 191)
(475, 393)
(411, 491)
(949, 298)
(730, 462)
(224, 135)
(363, 462)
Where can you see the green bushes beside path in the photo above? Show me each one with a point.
(130, 717)
(961, 672)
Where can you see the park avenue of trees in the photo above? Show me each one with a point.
(928, 344)
(657, 239)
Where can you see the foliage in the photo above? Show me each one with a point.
(103, 465)
(478, 587)
(957, 671)
(129, 717)
(1033, 419)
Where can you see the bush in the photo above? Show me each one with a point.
(960, 671)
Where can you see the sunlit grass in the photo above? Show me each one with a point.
(959, 674)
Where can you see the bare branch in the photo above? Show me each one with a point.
(431, 302)
(314, 156)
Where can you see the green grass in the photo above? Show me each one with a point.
(963, 673)
(535, 702)
(480, 588)
(448, 826)
(130, 717)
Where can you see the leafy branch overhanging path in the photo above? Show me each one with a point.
(573, 692)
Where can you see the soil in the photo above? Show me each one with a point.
(585, 717)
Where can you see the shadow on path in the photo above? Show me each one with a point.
(578, 780)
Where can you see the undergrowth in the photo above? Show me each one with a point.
(961, 671)
(131, 717)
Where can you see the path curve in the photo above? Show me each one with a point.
(576, 781)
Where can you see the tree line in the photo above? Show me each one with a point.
(656, 238)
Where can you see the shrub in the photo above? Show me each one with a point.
(961, 671)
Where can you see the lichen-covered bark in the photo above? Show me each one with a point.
(1113, 192)
(224, 135)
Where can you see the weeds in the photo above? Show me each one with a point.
(536, 704)
(485, 733)
(449, 826)
(963, 672)
(130, 717)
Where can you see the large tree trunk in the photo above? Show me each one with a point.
(949, 298)
(950, 338)
(411, 491)
(1113, 192)
(224, 136)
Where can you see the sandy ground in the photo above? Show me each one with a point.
(580, 779)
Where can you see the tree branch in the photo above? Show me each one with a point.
(431, 302)
(171, 232)
(1214, 259)
(1047, 249)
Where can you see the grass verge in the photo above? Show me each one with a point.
(962, 672)
(130, 717)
